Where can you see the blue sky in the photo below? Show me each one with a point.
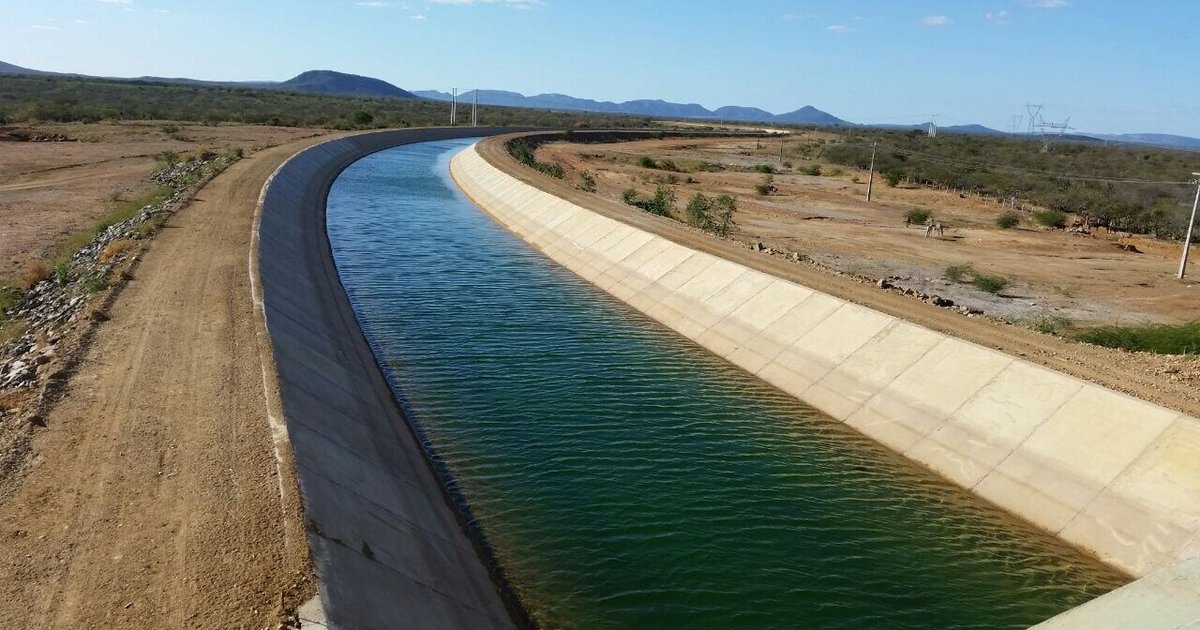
(1111, 66)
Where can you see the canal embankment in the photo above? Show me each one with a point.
(390, 545)
(1104, 471)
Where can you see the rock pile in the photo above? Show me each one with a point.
(56, 310)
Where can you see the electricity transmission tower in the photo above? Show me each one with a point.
(1035, 115)
(453, 106)
(933, 125)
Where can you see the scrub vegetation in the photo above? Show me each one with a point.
(1159, 338)
(1063, 176)
(29, 99)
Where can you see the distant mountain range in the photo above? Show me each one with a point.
(804, 116)
(342, 84)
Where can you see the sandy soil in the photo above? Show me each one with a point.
(1170, 381)
(1087, 279)
(51, 189)
(154, 498)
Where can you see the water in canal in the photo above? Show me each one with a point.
(629, 479)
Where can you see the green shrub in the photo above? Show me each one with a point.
(647, 162)
(917, 216)
(661, 203)
(587, 182)
(630, 196)
(699, 212)
(1159, 338)
(767, 186)
(990, 284)
(763, 168)
(810, 169)
(167, 159)
(834, 172)
(1008, 220)
(723, 209)
(959, 273)
(892, 177)
(667, 165)
(1051, 218)
(62, 273)
(1049, 324)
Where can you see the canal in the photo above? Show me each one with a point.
(627, 478)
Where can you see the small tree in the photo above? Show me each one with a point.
(723, 208)
(630, 196)
(662, 202)
(699, 212)
(362, 118)
(892, 178)
(647, 162)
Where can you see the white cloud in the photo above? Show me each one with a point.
(116, 1)
(999, 18)
(792, 17)
(162, 11)
(839, 28)
(418, 17)
(373, 3)
(936, 20)
(44, 27)
(1046, 4)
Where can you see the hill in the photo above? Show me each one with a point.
(342, 84)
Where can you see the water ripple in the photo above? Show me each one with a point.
(628, 479)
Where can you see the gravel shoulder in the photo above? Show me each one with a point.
(1168, 381)
(154, 497)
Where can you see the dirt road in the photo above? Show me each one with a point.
(153, 499)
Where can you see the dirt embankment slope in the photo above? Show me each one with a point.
(154, 497)
(1111, 368)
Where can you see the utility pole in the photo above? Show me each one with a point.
(475, 108)
(453, 106)
(1187, 242)
(871, 173)
(781, 142)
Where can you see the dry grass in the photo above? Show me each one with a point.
(116, 248)
(34, 273)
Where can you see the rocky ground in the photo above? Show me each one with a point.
(58, 313)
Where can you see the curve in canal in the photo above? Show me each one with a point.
(627, 478)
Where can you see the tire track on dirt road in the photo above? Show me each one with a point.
(153, 498)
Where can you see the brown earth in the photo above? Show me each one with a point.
(155, 497)
(1170, 381)
(1087, 279)
(54, 188)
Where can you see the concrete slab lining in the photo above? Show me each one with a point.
(1117, 476)
(391, 546)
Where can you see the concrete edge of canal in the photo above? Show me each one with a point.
(392, 547)
(1106, 472)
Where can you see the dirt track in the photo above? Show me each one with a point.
(153, 499)
(1111, 368)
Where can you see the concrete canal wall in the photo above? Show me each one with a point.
(1104, 471)
(391, 547)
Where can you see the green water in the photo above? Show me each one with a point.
(628, 479)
